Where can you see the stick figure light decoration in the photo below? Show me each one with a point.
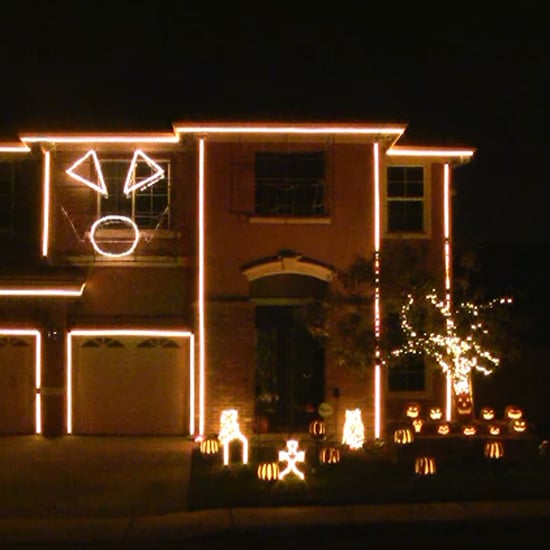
(291, 456)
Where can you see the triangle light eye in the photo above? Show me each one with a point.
(157, 173)
(99, 184)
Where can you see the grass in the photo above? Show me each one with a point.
(383, 473)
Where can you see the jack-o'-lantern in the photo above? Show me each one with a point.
(268, 471)
(487, 413)
(469, 430)
(444, 429)
(494, 450)
(209, 446)
(518, 425)
(494, 429)
(417, 424)
(329, 455)
(403, 436)
(436, 413)
(425, 466)
(511, 412)
(464, 405)
(317, 429)
(412, 410)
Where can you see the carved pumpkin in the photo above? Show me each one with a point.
(469, 430)
(464, 405)
(494, 429)
(494, 450)
(403, 436)
(417, 425)
(268, 471)
(209, 446)
(518, 425)
(444, 429)
(329, 455)
(436, 413)
(425, 466)
(317, 429)
(412, 410)
(511, 412)
(487, 413)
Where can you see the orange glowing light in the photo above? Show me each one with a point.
(14, 291)
(46, 204)
(101, 138)
(398, 151)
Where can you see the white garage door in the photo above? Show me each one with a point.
(130, 385)
(17, 385)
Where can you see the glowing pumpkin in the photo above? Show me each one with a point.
(403, 436)
(317, 429)
(487, 413)
(511, 412)
(518, 425)
(425, 466)
(444, 429)
(417, 425)
(209, 446)
(494, 429)
(493, 450)
(464, 405)
(436, 413)
(469, 430)
(268, 471)
(412, 410)
(329, 455)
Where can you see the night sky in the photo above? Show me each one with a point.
(456, 75)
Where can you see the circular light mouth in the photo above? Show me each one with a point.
(111, 245)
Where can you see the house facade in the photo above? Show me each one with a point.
(151, 281)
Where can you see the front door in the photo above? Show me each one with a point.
(289, 369)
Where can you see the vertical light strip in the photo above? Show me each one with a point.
(200, 297)
(38, 383)
(377, 366)
(447, 276)
(192, 384)
(69, 370)
(46, 204)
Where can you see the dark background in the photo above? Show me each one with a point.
(457, 73)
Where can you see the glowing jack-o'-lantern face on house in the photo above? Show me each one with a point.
(116, 234)
(511, 412)
(487, 413)
(412, 410)
(518, 425)
(464, 405)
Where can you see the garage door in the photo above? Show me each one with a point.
(17, 385)
(130, 385)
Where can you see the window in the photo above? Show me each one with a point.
(405, 196)
(290, 184)
(7, 175)
(409, 375)
(147, 206)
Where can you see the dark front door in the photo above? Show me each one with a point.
(289, 369)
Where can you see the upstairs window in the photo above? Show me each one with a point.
(7, 177)
(405, 199)
(290, 184)
(409, 375)
(147, 206)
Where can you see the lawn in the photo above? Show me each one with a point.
(377, 473)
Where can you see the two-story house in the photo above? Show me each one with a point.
(150, 281)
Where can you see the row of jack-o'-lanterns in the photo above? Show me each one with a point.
(511, 412)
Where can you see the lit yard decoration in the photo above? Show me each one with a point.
(425, 466)
(412, 410)
(403, 436)
(417, 424)
(493, 450)
(291, 456)
(317, 429)
(494, 429)
(487, 413)
(469, 430)
(229, 432)
(458, 347)
(444, 428)
(329, 455)
(511, 412)
(518, 425)
(209, 446)
(268, 471)
(354, 430)
(435, 413)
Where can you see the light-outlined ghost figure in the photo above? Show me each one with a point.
(130, 186)
(354, 430)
